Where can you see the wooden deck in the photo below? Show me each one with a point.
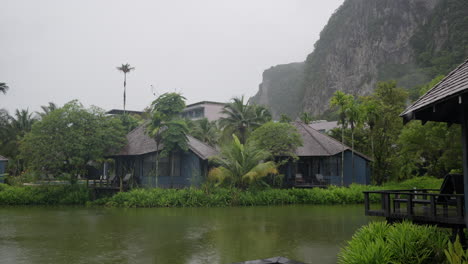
(425, 206)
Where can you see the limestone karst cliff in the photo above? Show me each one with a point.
(366, 41)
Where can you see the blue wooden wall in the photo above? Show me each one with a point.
(362, 172)
(3, 165)
(192, 172)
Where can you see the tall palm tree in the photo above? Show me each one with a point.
(3, 88)
(241, 164)
(354, 115)
(125, 68)
(370, 117)
(240, 118)
(341, 100)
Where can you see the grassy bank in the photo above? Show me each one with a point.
(43, 195)
(405, 242)
(192, 197)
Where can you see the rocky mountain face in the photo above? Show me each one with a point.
(366, 41)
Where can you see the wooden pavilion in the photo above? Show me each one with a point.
(446, 102)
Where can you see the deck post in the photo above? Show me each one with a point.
(366, 202)
(409, 205)
(464, 125)
(433, 207)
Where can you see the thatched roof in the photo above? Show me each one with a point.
(3, 158)
(139, 143)
(441, 103)
(318, 144)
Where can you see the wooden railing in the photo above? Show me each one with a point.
(426, 206)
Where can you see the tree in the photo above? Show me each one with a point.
(280, 139)
(3, 88)
(354, 116)
(46, 109)
(241, 164)
(369, 117)
(306, 118)
(341, 101)
(174, 138)
(130, 122)
(432, 149)
(125, 68)
(242, 118)
(390, 101)
(67, 139)
(205, 131)
(166, 127)
(285, 119)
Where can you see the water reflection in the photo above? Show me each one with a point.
(312, 234)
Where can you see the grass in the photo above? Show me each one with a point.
(193, 197)
(380, 242)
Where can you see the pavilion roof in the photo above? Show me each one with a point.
(441, 103)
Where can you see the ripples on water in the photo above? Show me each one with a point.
(312, 234)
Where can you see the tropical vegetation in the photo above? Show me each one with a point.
(380, 242)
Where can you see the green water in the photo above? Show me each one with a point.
(312, 234)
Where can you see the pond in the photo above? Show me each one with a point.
(312, 234)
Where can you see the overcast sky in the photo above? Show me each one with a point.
(206, 49)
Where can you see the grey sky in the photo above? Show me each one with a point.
(206, 49)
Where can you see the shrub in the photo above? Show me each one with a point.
(43, 195)
(405, 242)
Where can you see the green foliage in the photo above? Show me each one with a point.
(405, 242)
(306, 118)
(204, 197)
(242, 118)
(285, 119)
(431, 149)
(70, 137)
(174, 137)
(210, 196)
(241, 164)
(390, 101)
(12, 131)
(46, 109)
(205, 131)
(130, 122)
(280, 139)
(167, 127)
(168, 105)
(455, 253)
(44, 195)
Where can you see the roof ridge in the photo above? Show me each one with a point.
(434, 88)
(308, 132)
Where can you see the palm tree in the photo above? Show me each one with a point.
(46, 109)
(354, 116)
(4, 87)
(241, 164)
(125, 68)
(240, 118)
(22, 122)
(370, 117)
(341, 100)
(205, 131)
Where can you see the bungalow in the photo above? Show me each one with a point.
(3, 165)
(319, 162)
(138, 158)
